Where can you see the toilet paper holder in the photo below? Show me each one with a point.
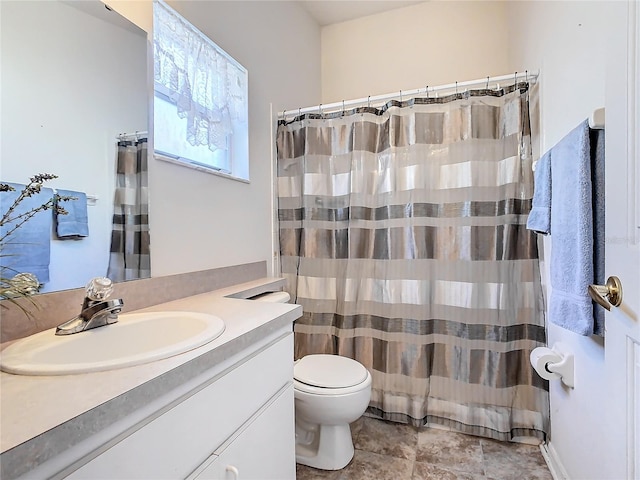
(551, 364)
(564, 368)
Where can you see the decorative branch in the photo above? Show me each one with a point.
(24, 284)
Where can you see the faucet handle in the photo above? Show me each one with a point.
(99, 288)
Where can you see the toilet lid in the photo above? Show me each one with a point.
(329, 371)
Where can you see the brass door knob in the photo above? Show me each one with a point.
(607, 295)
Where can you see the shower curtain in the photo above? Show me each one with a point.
(129, 258)
(402, 235)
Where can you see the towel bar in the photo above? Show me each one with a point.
(596, 120)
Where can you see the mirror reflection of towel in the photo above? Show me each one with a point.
(28, 249)
(75, 224)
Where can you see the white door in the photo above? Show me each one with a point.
(622, 338)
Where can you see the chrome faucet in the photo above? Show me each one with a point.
(96, 311)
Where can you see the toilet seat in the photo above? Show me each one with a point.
(319, 391)
(329, 375)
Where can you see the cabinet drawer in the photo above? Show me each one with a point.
(174, 444)
(263, 448)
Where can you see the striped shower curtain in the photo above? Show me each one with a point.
(402, 235)
(129, 258)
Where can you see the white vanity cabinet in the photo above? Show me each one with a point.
(238, 423)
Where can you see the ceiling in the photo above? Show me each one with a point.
(327, 12)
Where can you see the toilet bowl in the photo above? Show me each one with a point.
(330, 392)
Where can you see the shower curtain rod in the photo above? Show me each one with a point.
(338, 106)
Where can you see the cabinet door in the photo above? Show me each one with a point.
(263, 449)
(173, 444)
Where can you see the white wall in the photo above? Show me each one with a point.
(566, 40)
(431, 43)
(138, 12)
(200, 221)
(70, 83)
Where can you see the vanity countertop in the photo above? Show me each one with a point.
(39, 411)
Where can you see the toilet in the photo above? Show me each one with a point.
(330, 392)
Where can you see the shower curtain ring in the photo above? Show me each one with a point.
(515, 80)
(343, 108)
(426, 90)
(400, 96)
(487, 84)
(456, 89)
(369, 101)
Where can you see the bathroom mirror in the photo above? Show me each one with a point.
(74, 76)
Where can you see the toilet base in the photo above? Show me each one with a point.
(330, 449)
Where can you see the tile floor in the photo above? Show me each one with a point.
(392, 451)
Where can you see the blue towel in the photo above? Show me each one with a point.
(74, 224)
(564, 203)
(540, 216)
(28, 249)
(597, 181)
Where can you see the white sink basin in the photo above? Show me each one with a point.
(137, 338)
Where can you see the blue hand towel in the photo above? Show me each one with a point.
(28, 249)
(74, 224)
(563, 206)
(540, 216)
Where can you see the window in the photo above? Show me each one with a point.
(200, 99)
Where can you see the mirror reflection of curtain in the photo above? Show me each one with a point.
(402, 234)
(129, 258)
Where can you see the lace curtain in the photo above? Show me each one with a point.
(208, 87)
